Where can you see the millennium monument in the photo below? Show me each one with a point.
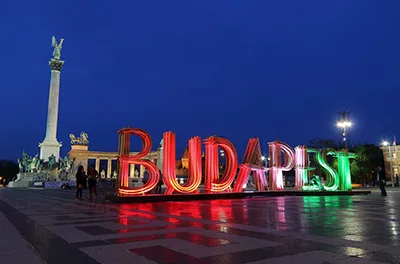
(50, 145)
(48, 166)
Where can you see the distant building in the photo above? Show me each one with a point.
(395, 151)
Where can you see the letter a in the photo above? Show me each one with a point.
(252, 162)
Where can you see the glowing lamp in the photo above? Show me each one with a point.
(344, 124)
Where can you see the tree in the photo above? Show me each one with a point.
(8, 169)
(369, 156)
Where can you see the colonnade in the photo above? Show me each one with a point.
(81, 155)
(110, 171)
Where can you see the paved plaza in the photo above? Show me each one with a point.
(49, 226)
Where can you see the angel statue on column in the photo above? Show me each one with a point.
(57, 47)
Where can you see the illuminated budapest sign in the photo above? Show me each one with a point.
(281, 158)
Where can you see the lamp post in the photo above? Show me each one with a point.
(387, 144)
(344, 123)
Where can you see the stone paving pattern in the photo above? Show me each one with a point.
(49, 226)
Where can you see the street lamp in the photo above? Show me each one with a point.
(344, 123)
(387, 144)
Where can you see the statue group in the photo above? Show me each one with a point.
(29, 164)
(83, 139)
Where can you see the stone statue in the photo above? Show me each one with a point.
(57, 47)
(25, 155)
(20, 166)
(66, 164)
(83, 139)
(24, 162)
(136, 173)
(34, 164)
(40, 165)
(74, 140)
(115, 174)
(35, 169)
(102, 174)
(69, 163)
(52, 161)
(316, 182)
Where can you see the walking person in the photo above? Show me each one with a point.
(92, 180)
(80, 182)
(380, 176)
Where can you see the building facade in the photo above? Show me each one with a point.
(391, 153)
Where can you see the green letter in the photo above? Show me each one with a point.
(332, 181)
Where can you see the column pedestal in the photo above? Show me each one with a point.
(79, 153)
(49, 148)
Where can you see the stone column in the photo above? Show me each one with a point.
(142, 169)
(109, 167)
(97, 165)
(50, 145)
(132, 170)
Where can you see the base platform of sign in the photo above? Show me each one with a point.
(214, 196)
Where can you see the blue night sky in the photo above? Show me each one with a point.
(279, 70)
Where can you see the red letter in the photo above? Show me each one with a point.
(276, 167)
(124, 159)
(212, 181)
(169, 172)
(251, 162)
